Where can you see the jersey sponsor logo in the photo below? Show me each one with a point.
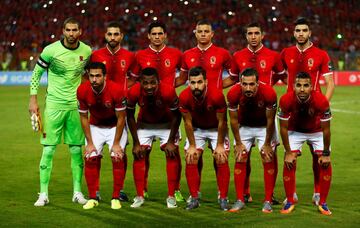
(192, 60)
(167, 62)
(123, 63)
(212, 60)
(244, 63)
(263, 64)
(291, 60)
(310, 62)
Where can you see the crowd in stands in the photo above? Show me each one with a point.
(28, 26)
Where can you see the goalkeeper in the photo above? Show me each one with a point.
(64, 61)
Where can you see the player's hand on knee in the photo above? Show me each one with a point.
(90, 151)
(324, 161)
(267, 153)
(138, 151)
(220, 154)
(117, 153)
(239, 152)
(170, 149)
(290, 158)
(192, 155)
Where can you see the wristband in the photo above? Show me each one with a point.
(326, 152)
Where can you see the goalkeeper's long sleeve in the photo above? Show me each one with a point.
(35, 79)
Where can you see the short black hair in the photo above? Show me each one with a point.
(302, 21)
(149, 71)
(71, 20)
(96, 65)
(113, 24)
(303, 75)
(250, 72)
(196, 71)
(205, 22)
(253, 24)
(156, 24)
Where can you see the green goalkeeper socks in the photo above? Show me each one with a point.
(46, 167)
(76, 166)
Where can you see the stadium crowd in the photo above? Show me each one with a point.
(29, 27)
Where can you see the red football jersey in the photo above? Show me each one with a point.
(203, 111)
(213, 59)
(252, 111)
(312, 60)
(117, 65)
(101, 106)
(166, 61)
(156, 109)
(304, 117)
(265, 61)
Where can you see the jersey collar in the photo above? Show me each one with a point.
(205, 49)
(98, 93)
(107, 47)
(63, 44)
(257, 50)
(157, 50)
(311, 44)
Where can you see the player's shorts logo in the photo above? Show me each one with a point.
(212, 60)
(311, 62)
(262, 64)
(167, 62)
(122, 63)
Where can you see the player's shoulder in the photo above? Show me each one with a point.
(287, 99)
(219, 49)
(191, 50)
(84, 88)
(134, 90)
(85, 46)
(236, 88)
(267, 91)
(172, 49)
(269, 51)
(185, 94)
(215, 93)
(167, 90)
(319, 99)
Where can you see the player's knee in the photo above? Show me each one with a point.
(75, 149)
(244, 157)
(93, 161)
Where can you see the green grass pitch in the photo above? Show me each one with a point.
(20, 154)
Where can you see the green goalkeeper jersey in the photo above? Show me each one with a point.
(65, 68)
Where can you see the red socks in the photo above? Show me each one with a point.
(118, 177)
(172, 171)
(223, 179)
(269, 177)
(92, 173)
(316, 170)
(147, 167)
(325, 181)
(289, 182)
(239, 179)
(193, 179)
(139, 176)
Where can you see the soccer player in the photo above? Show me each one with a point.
(305, 117)
(106, 103)
(252, 109)
(118, 62)
(166, 61)
(64, 62)
(204, 112)
(269, 67)
(210, 57)
(305, 57)
(158, 117)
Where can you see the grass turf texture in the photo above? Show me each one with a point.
(20, 154)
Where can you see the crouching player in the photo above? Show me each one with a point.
(106, 102)
(252, 110)
(158, 117)
(204, 112)
(305, 117)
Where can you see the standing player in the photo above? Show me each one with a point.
(204, 111)
(269, 67)
(106, 103)
(64, 62)
(305, 117)
(305, 57)
(166, 61)
(252, 109)
(118, 62)
(210, 57)
(160, 118)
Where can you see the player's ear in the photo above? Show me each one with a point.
(80, 31)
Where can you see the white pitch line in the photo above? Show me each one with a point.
(343, 102)
(345, 111)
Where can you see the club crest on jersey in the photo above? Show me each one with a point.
(167, 62)
(244, 63)
(122, 63)
(212, 60)
(262, 64)
(107, 104)
(310, 62)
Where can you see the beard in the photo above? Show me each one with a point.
(113, 44)
(197, 93)
(302, 42)
(71, 40)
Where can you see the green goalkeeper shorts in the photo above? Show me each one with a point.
(58, 121)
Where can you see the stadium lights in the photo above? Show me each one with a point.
(250, 5)
(127, 11)
(14, 22)
(169, 14)
(273, 8)
(286, 29)
(274, 19)
(339, 36)
(52, 36)
(198, 1)
(146, 14)
(84, 2)
(136, 8)
(12, 44)
(45, 5)
(55, 20)
(77, 4)
(50, 2)
(155, 18)
(106, 8)
(151, 11)
(83, 11)
(186, 3)
(31, 58)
